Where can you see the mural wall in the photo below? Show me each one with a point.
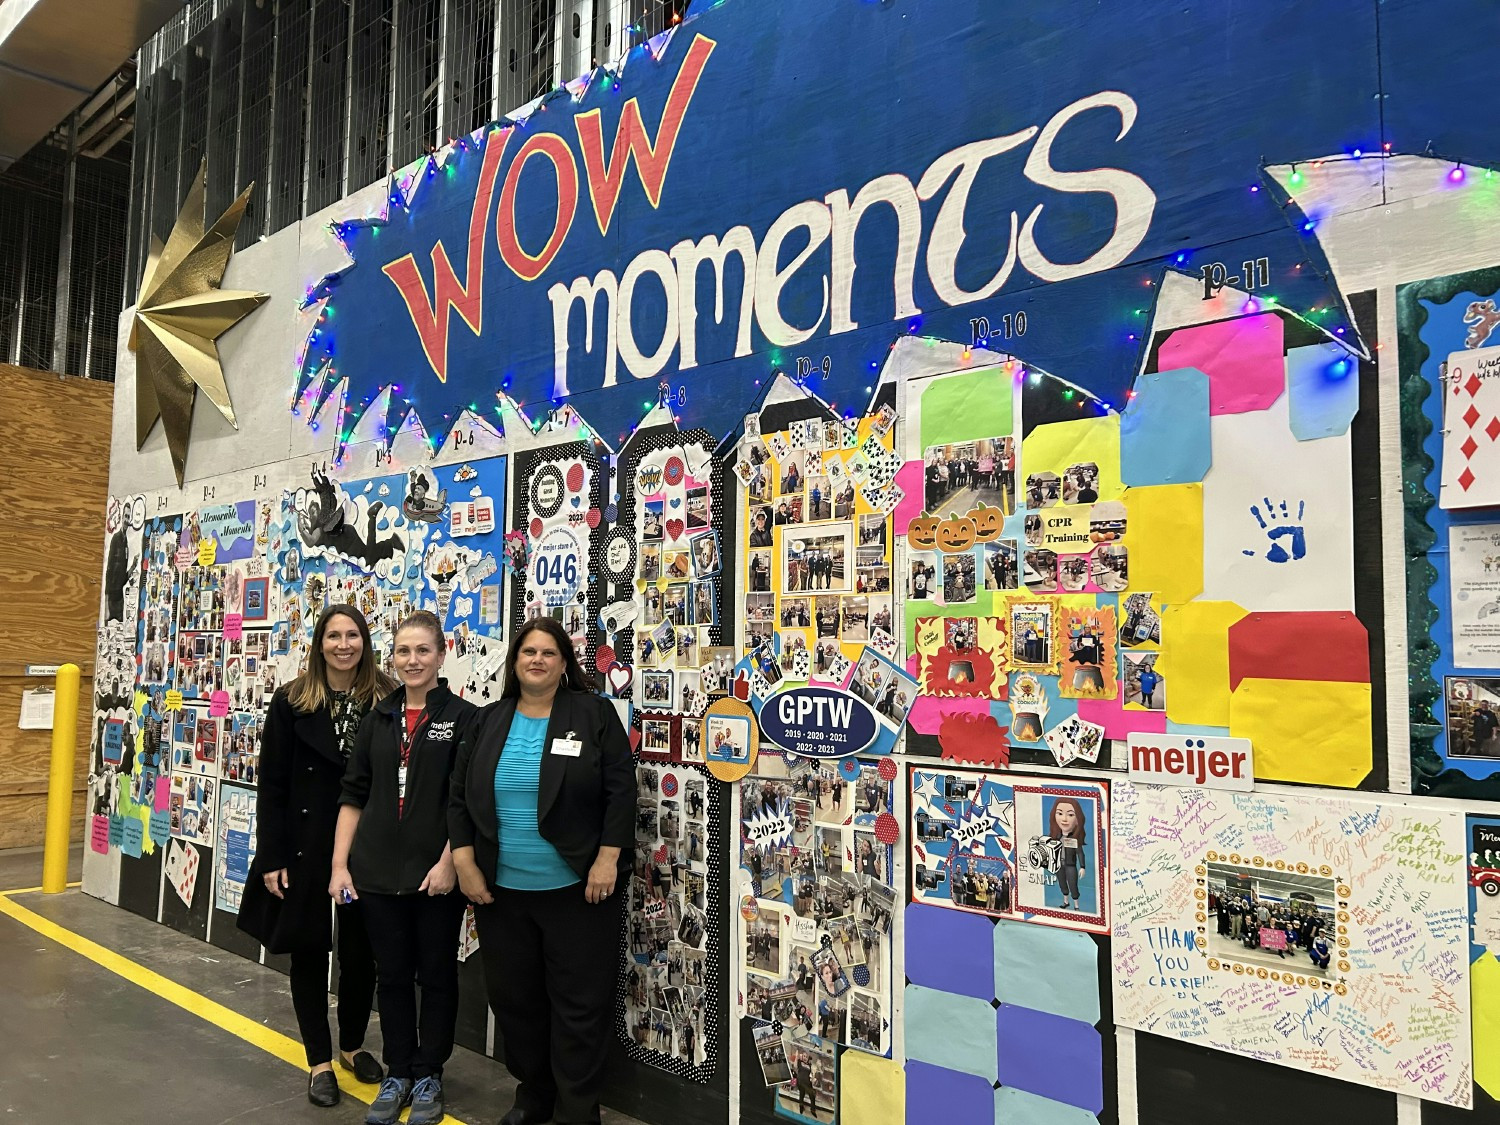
(1038, 545)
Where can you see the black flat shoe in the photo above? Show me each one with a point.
(323, 1089)
(519, 1116)
(365, 1067)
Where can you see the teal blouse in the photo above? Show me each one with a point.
(527, 861)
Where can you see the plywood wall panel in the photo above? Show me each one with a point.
(54, 437)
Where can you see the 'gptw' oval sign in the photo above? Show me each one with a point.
(818, 722)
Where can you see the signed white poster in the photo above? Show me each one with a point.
(1273, 927)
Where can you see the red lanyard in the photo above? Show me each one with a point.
(407, 732)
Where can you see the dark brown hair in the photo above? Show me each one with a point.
(310, 691)
(574, 677)
(1079, 833)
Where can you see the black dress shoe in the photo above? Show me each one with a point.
(365, 1067)
(323, 1089)
(519, 1116)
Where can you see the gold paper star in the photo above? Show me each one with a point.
(180, 313)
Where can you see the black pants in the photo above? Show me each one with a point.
(356, 989)
(551, 960)
(415, 938)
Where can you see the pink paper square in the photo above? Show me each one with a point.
(1242, 358)
(1118, 722)
(909, 478)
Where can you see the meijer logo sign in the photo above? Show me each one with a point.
(1213, 763)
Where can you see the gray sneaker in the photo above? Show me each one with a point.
(426, 1102)
(387, 1106)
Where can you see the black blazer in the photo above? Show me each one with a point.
(583, 803)
(301, 776)
(392, 856)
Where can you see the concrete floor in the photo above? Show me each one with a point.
(86, 1045)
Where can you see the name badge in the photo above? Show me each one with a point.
(567, 747)
(401, 782)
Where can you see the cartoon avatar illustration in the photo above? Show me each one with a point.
(1066, 826)
(322, 524)
(418, 505)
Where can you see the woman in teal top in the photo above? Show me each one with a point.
(541, 820)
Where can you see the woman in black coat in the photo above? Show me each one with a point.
(542, 824)
(305, 744)
(391, 854)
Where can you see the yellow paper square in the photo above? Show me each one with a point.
(1484, 985)
(1164, 533)
(1316, 732)
(1194, 661)
(1051, 448)
(872, 1090)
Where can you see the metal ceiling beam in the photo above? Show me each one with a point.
(54, 54)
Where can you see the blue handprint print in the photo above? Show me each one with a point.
(1288, 539)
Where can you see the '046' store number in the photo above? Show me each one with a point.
(555, 568)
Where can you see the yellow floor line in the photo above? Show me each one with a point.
(284, 1047)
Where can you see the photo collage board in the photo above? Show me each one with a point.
(1450, 360)
(216, 608)
(1074, 572)
(1013, 574)
(624, 551)
(817, 564)
(817, 897)
(664, 626)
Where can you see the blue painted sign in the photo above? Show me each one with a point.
(756, 194)
(818, 722)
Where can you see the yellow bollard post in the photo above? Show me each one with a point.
(60, 781)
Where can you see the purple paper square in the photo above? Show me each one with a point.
(1051, 1056)
(938, 1096)
(950, 951)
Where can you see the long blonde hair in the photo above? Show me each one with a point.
(310, 691)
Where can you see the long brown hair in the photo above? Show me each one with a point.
(574, 677)
(1079, 833)
(310, 691)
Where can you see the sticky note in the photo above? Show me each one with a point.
(218, 704)
(1195, 661)
(872, 1090)
(161, 826)
(234, 626)
(134, 834)
(1315, 732)
(1322, 382)
(1164, 538)
(116, 831)
(208, 551)
(1242, 359)
(1164, 431)
(174, 700)
(99, 834)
